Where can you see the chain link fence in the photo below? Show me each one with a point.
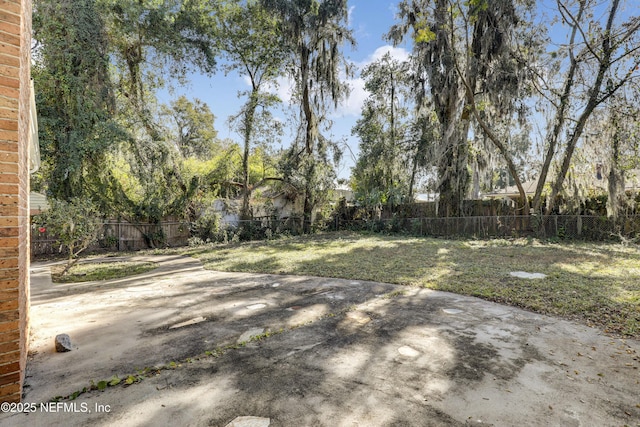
(121, 236)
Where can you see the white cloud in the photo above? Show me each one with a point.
(398, 53)
(352, 106)
(282, 86)
(349, 15)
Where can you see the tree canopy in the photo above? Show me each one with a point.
(493, 94)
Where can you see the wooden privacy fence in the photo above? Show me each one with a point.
(121, 236)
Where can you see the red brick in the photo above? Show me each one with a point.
(10, 335)
(9, 357)
(7, 16)
(9, 275)
(8, 135)
(8, 221)
(9, 368)
(9, 91)
(9, 167)
(9, 347)
(9, 232)
(8, 81)
(9, 295)
(8, 327)
(9, 59)
(9, 38)
(9, 305)
(7, 189)
(10, 393)
(8, 124)
(9, 70)
(10, 378)
(12, 8)
(9, 253)
(7, 49)
(8, 284)
(9, 28)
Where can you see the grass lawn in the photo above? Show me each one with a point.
(597, 284)
(89, 271)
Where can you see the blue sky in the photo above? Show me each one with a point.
(370, 21)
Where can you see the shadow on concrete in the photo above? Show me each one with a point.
(350, 353)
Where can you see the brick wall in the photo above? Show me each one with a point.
(15, 45)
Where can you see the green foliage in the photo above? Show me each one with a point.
(250, 38)
(383, 172)
(191, 128)
(464, 51)
(313, 32)
(74, 95)
(206, 227)
(103, 140)
(76, 224)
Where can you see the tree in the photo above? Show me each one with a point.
(600, 59)
(465, 53)
(313, 32)
(250, 39)
(98, 64)
(74, 95)
(148, 40)
(75, 223)
(191, 128)
(383, 165)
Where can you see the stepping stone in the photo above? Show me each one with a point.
(525, 275)
(249, 334)
(256, 306)
(452, 311)
(358, 317)
(249, 422)
(408, 351)
(275, 285)
(188, 322)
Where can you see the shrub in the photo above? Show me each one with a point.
(76, 224)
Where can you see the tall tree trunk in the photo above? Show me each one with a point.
(249, 116)
(616, 178)
(552, 138)
(452, 168)
(307, 212)
(592, 103)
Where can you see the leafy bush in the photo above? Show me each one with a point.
(207, 227)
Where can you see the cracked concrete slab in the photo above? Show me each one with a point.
(369, 357)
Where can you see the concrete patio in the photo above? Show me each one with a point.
(332, 352)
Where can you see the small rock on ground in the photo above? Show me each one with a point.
(63, 343)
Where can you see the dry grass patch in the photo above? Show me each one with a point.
(89, 271)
